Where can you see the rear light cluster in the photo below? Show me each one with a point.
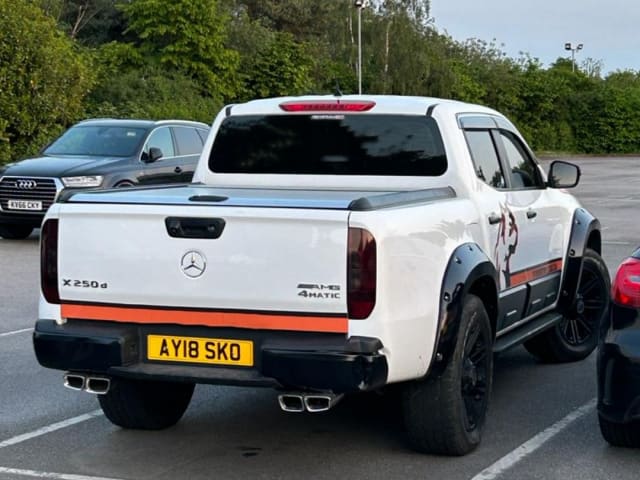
(327, 106)
(626, 286)
(49, 261)
(361, 273)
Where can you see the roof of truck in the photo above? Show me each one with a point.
(382, 104)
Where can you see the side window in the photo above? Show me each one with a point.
(160, 138)
(203, 134)
(523, 171)
(485, 158)
(188, 140)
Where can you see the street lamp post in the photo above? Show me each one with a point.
(578, 47)
(359, 4)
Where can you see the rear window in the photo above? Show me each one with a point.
(401, 145)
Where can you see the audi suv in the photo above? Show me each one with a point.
(97, 153)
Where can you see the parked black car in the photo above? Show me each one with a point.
(100, 153)
(619, 359)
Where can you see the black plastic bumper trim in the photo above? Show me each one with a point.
(300, 360)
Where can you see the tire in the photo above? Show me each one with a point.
(620, 434)
(576, 336)
(145, 405)
(15, 232)
(446, 414)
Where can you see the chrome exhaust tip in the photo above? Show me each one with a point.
(321, 402)
(74, 381)
(291, 402)
(97, 385)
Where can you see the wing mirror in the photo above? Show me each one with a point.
(155, 154)
(563, 175)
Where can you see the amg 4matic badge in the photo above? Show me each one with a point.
(319, 290)
(68, 282)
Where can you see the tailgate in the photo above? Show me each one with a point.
(280, 268)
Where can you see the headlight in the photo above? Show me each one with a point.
(88, 181)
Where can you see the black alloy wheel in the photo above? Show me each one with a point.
(590, 305)
(576, 335)
(445, 413)
(475, 372)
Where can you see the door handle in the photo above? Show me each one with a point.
(531, 214)
(189, 227)
(177, 170)
(494, 219)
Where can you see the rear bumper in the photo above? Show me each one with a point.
(619, 367)
(291, 360)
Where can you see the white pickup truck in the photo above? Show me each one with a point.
(327, 245)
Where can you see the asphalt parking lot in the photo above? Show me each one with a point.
(542, 422)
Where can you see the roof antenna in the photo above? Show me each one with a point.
(337, 92)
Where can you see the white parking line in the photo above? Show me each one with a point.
(57, 476)
(533, 443)
(50, 428)
(15, 332)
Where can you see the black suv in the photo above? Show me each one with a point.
(100, 153)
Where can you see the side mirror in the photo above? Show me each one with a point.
(563, 175)
(154, 154)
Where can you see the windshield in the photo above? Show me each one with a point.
(98, 141)
(402, 145)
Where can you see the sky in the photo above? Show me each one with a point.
(608, 29)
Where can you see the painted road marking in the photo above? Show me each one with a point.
(614, 242)
(50, 428)
(534, 443)
(57, 476)
(15, 332)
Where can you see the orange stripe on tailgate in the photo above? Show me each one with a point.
(525, 276)
(261, 321)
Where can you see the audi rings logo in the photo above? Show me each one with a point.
(193, 264)
(26, 184)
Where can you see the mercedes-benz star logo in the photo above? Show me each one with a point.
(193, 264)
(26, 184)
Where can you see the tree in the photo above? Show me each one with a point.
(44, 79)
(188, 36)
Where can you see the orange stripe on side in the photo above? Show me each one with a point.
(525, 276)
(210, 319)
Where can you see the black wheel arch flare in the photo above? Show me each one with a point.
(585, 233)
(469, 271)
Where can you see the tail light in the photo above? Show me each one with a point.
(49, 261)
(361, 273)
(626, 286)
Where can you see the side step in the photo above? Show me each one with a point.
(525, 331)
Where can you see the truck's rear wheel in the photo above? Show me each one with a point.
(576, 336)
(446, 414)
(15, 232)
(145, 405)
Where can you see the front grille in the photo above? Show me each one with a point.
(27, 188)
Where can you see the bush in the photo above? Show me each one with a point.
(43, 79)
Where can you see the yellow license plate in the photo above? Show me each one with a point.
(215, 351)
